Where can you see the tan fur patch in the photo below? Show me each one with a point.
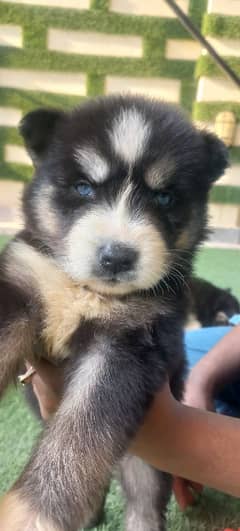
(192, 322)
(64, 301)
(16, 515)
(184, 239)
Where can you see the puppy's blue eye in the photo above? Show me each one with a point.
(85, 189)
(164, 199)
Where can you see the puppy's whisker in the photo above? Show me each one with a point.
(180, 278)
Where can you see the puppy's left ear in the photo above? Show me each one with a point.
(37, 129)
(216, 156)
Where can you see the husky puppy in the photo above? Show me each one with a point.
(97, 279)
(211, 305)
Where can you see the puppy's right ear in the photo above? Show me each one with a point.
(37, 129)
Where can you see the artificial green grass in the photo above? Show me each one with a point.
(220, 266)
(19, 429)
(3, 240)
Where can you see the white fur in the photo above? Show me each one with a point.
(83, 383)
(129, 135)
(92, 163)
(116, 223)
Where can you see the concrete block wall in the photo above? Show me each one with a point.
(216, 93)
(57, 53)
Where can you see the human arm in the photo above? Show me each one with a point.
(47, 381)
(190, 443)
(184, 441)
(219, 366)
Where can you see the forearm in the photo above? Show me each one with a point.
(191, 443)
(221, 364)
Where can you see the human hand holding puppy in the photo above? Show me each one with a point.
(166, 438)
(47, 382)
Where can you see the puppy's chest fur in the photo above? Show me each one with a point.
(65, 305)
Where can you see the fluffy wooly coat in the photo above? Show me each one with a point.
(97, 281)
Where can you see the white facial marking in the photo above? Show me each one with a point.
(121, 209)
(92, 163)
(160, 172)
(129, 135)
(115, 223)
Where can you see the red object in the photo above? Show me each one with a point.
(186, 493)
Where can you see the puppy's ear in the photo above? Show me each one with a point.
(37, 129)
(217, 156)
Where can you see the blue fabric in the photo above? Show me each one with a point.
(235, 320)
(197, 344)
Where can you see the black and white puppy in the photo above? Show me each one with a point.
(211, 305)
(113, 216)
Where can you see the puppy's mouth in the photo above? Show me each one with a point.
(112, 285)
(114, 279)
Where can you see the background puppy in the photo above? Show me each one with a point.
(211, 305)
(113, 216)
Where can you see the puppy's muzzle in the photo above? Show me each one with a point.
(116, 261)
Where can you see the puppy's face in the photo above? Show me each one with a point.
(120, 190)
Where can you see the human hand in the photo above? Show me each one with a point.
(186, 492)
(199, 391)
(47, 383)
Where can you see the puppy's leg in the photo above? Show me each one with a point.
(98, 517)
(147, 490)
(16, 332)
(104, 403)
(147, 494)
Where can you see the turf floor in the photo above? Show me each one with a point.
(18, 430)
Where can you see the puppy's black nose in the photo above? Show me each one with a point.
(115, 258)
